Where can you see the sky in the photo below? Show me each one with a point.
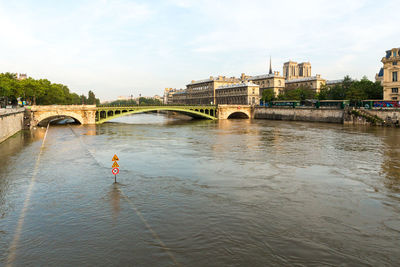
(123, 47)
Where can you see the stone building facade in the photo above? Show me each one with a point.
(168, 92)
(292, 70)
(245, 93)
(389, 74)
(179, 97)
(314, 82)
(269, 81)
(203, 92)
(223, 90)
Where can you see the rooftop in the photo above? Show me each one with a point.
(236, 85)
(264, 76)
(218, 78)
(334, 81)
(180, 92)
(312, 78)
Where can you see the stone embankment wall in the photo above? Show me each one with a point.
(300, 114)
(389, 116)
(11, 122)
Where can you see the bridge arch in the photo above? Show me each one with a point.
(45, 117)
(235, 111)
(112, 114)
(238, 115)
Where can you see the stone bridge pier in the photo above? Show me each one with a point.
(235, 111)
(84, 114)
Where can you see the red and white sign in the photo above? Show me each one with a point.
(115, 171)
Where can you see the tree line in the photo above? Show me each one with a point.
(40, 92)
(145, 101)
(349, 89)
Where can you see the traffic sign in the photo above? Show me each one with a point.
(115, 165)
(115, 171)
(115, 158)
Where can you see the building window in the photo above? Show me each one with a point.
(395, 90)
(394, 76)
(394, 53)
(394, 98)
(394, 63)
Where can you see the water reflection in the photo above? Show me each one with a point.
(231, 192)
(391, 163)
(115, 199)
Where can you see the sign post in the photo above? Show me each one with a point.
(115, 167)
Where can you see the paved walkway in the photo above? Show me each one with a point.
(6, 111)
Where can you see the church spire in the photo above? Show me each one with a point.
(270, 65)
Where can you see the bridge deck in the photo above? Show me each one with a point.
(106, 113)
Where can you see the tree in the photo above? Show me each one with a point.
(83, 100)
(347, 82)
(41, 92)
(302, 93)
(149, 101)
(323, 93)
(91, 100)
(268, 95)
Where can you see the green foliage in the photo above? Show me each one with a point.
(349, 89)
(149, 101)
(354, 90)
(373, 119)
(268, 95)
(323, 93)
(302, 93)
(40, 92)
(91, 98)
(143, 101)
(122, 103)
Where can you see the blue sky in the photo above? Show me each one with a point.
(122, 47)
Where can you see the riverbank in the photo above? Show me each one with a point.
(384, 117)
(11, 122)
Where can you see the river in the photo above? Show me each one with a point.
(201, 193)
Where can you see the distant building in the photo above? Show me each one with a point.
(123, 98)
(179, 97)
(292, 70)
(167, 98)
(332, 83)
(246, 93)
(272, 81)
(389, 74)
(314, 82)
(202, 92)
(22, 76)
(157, 97)
(294, 76)
(232, 90)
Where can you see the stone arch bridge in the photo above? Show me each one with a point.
(90, 114)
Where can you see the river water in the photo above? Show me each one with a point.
(201, 193)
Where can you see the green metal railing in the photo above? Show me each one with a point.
(105, 113)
